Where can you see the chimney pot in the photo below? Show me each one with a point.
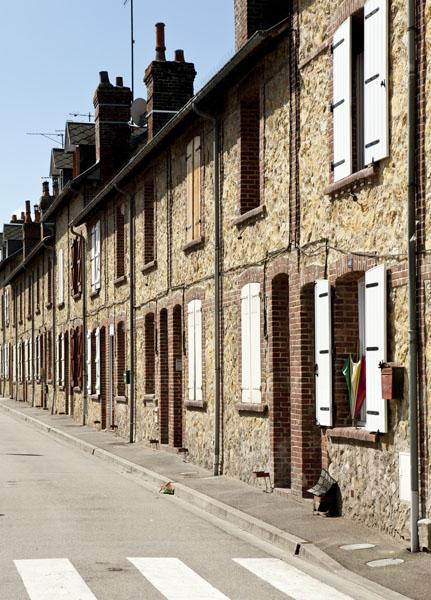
(36, 214)
(22, 217)
(13, 219)
(119, 81)
(160, 42)
(45, 189)
(27, 211)
(179, 56)
(104, 77)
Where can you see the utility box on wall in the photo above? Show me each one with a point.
(392, 381)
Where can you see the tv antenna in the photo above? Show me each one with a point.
(132, 46)
(78, 114)
(49, 136)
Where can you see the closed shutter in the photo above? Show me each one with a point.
(14, 366)
(191, 349)
(57, 361)
(189, 208)
(73, 271)
(72, 351)
(63, 360)
(60, 276)
(375, 340)
(89, 362)
(97, 256)
(342, 101)
(198, 351)
(79, 357)
(245, 345)
(80, 254)
(255, 374)
(376, 84)
(323, 352)
(196, 187)
(97, 362)
(30, 359)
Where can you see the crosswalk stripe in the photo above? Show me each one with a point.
(290, 580)
(175, 580)
(53, 579)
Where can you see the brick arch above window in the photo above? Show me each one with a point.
(345, 10)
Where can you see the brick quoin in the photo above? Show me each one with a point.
(253, 15)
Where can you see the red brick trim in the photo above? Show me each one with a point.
(345, 10)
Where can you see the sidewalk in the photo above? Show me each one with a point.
(280, 519)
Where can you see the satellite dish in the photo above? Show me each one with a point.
(138, 111)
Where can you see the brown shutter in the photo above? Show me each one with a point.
(79, 258)
(79, 366)
(121, 359)
(196, 187)
(72, 349)
(189, 211)
(73, 268)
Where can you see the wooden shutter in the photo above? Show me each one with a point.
(323, 352)
(255, 355)
(196, 187)
(97, 362)
(376, 84)
(342, 100)
(79, 258)
(375, 340)
(191, 349)
(79, 356)
(189, 208)
(73, 271)
(245, 345)
(89, 344)
(72, 350)
(198, 351)
(97, 264)
(63, 359)
(60, 274)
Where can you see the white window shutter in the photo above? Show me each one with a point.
(255, 366)
(30, 359)
(97, 361)
(375, 339)
(376, 84)
(198, 351)
(14, 364)
(57, 361)
(245, 345)
(191, 349)
(63, 361)
(342, 100)
(323, 352)
(89, 362)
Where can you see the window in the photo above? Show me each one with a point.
(120, 245)
(97, 365)
(95, 257)
(76, 250)
(49, 282)
(367, 339)
(60, 277)
(121, 359)
(194, 315)
(360, 90)
(150, 355)
(250, 152)
(250, 344)
(193, 164)
(149, 221)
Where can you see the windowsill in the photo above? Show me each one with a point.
(245, 407)
(149, 266)
(195, 404)
(149, 399)
(120, 280)
(95, 397)
(120, 400)
(194, 244)
(95, 294)
(353, 433)
(250, 216)
(77, 296)
(60, 305)
(353, 181)
(77, 390)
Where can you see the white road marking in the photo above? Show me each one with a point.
(175, 580)
(290, 580)
(53, 579)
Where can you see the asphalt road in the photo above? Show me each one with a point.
(74, 528)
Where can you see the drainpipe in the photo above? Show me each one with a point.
(412, 301)
(218, 450)
(131, 199)
(73, 231)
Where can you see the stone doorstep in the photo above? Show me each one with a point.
(280, 539)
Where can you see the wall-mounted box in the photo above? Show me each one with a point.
(392, 381)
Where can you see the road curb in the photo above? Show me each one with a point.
(282, 540)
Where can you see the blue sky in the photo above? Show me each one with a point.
(51, 52)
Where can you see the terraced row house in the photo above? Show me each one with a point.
(203, 280)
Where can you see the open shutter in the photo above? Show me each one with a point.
(245, 345)
(97, 362)
(375, 340)
(255, 367)
(189, 208)
(196, 187)
(323, 352)
(191, 349)
(342, 100)
(89, 362)
(198, 351)
(376, 85)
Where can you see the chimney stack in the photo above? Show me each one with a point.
(169, 84)
(36, 214)
(55, 186)
(14, 219)
(112, 130)
(31, 231)
(255, 15)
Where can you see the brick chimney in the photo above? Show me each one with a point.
(254, 15)
(112, 130)
(169, 84)
(31, 232)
